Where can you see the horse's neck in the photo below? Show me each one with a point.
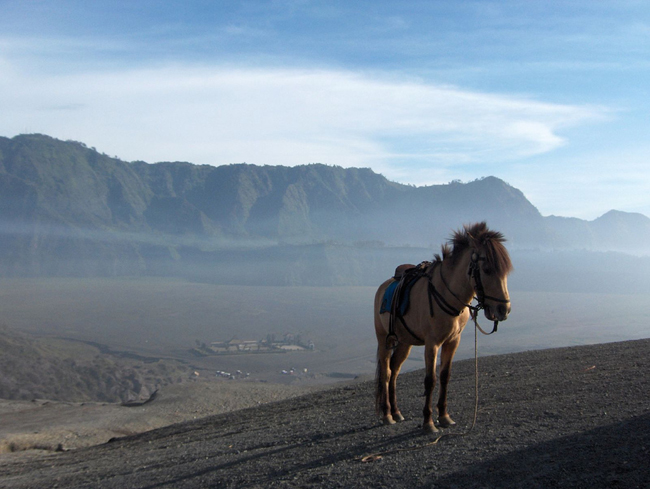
(457, 280)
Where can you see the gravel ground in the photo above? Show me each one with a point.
(570, 417)
(48, 425)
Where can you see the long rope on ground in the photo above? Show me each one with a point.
(379, 455)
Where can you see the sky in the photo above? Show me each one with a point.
(552, 97)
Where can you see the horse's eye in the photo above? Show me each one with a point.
(487, 271)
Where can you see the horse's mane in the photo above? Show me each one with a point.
(480, 237)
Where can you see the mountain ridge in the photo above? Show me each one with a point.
(63, 203)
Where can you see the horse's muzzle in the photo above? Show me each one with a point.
(498, 313)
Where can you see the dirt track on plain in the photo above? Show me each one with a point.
(571, 417)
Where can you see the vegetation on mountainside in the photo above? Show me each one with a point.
(48, 368)
(67, 210)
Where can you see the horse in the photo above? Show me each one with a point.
(473, 262)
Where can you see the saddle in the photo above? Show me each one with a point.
(396, 298)
(401, 270)
(403, 287)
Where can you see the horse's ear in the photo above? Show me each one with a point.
(473, 242)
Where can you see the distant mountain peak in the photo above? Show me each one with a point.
(615, 215)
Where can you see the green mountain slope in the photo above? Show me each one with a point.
(66, 209)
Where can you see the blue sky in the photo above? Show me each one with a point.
(552, 97)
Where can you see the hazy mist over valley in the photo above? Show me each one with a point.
(151, 260)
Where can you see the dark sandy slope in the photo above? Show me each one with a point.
(571, 417)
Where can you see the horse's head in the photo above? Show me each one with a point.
(488, 268)
(491, 287)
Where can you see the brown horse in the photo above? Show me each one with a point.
(474, 262)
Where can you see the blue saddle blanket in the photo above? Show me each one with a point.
(404, 299)
(387, 301)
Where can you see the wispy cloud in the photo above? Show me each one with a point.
(217, 115)
(589, 184)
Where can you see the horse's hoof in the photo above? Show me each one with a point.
(398, 417)
(446, 421)
(429, 428)
(389, 420)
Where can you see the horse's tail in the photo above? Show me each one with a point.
(379, 388)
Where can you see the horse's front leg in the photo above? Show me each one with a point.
(446, 356)
(400, 354)
(430, 354)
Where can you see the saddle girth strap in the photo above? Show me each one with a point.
(403, 321)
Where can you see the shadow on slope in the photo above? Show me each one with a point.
(611, 456)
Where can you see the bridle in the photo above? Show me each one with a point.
(474, 272)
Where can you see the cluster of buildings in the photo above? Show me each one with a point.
(271, 344)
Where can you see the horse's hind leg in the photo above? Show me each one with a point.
(430, 354)
(446, 356)
(400, 354)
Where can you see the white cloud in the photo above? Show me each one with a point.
(217, 115)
